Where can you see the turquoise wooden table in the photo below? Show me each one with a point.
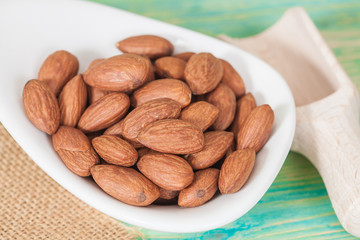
(296, 206)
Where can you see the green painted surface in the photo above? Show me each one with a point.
(296, 206)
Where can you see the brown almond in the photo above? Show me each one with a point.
(95, 62)
(224, 99)
(202, 189)
(144, 150)
(95, 94)
(125, 184)
(41, 106)
(201, 114)
(232, 78)
(72, 101)
(123, 73)
(166, 171)
(168, 194)
(216, 145)
(255, 130)
(104, 112)
(203, 72)
(115, 150)
(157, 109)
(147, 45)
(164, 88)
(184, 55)
(57, 69)
(243, 108)
(236, 170)
(75, 150)
(172, 136)
(115, 129)
(170, 67)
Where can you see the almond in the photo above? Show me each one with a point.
(75, 150)
(172, 136)
(41, 106)
(243, 108)
(168, 194)
(164, 88)
(147, 45)
(216, 145)
(57, 69)
(104, 112)
(201, 114)
(125, 184)
(236, 170)
(95, 94)
(203, 72)
(166, 171)
(233, 79)
(157, 109)
(115, 129)
(143, 151)
(72, 101)
(115, 150)
(95, 62)
(170, 67)
(255, 130)
(224, 99)
(202, 189)
(184, 55)
(123, 73)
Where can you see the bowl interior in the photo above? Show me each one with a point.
(33, 30)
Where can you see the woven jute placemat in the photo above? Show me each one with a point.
(34, 206)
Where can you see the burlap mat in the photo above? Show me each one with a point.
(34, 206)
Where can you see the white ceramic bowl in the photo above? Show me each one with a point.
(31, 30)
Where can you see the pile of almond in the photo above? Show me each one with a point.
(178, 138)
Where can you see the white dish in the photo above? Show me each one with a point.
(31, 30)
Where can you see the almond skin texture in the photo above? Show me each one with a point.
(115, 150)
(170, 67)
(147, 45)
(57, 69)
(184, 55)
(224, 99)
(216, 145)
(236, 170)
(203, 72)
(164, 88)
(166, 171)
(233, 79)
(202, 189)
(157, 109)
(104, 112)
(41, 106)
(122, 73)
(72, 101)
(244, 106)
(172, 136)
(201, 114)
(125, 184)
(75, 150)
(115, 129)
(255, 130)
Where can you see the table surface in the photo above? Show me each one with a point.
(297, 205)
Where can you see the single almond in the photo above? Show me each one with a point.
(232, 78)
(168, 194)
(216, 145)
(255, 130)
(147, 45)
(224, 99)
(104, 112)
(115, 129)
(243, 108)
(172, 136)
(203, 72)
(201, 114)
(144, 150)
(57, 69)
(170, 67)
(166, 171)
(123, 73)
(184, 55)
(202, 189)
(41, 106)
(95, 94)
(115, 150)
(125, 184)
(236, 170)
(95, 62)
(72, 101)
(165, 88)
(75, 150)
